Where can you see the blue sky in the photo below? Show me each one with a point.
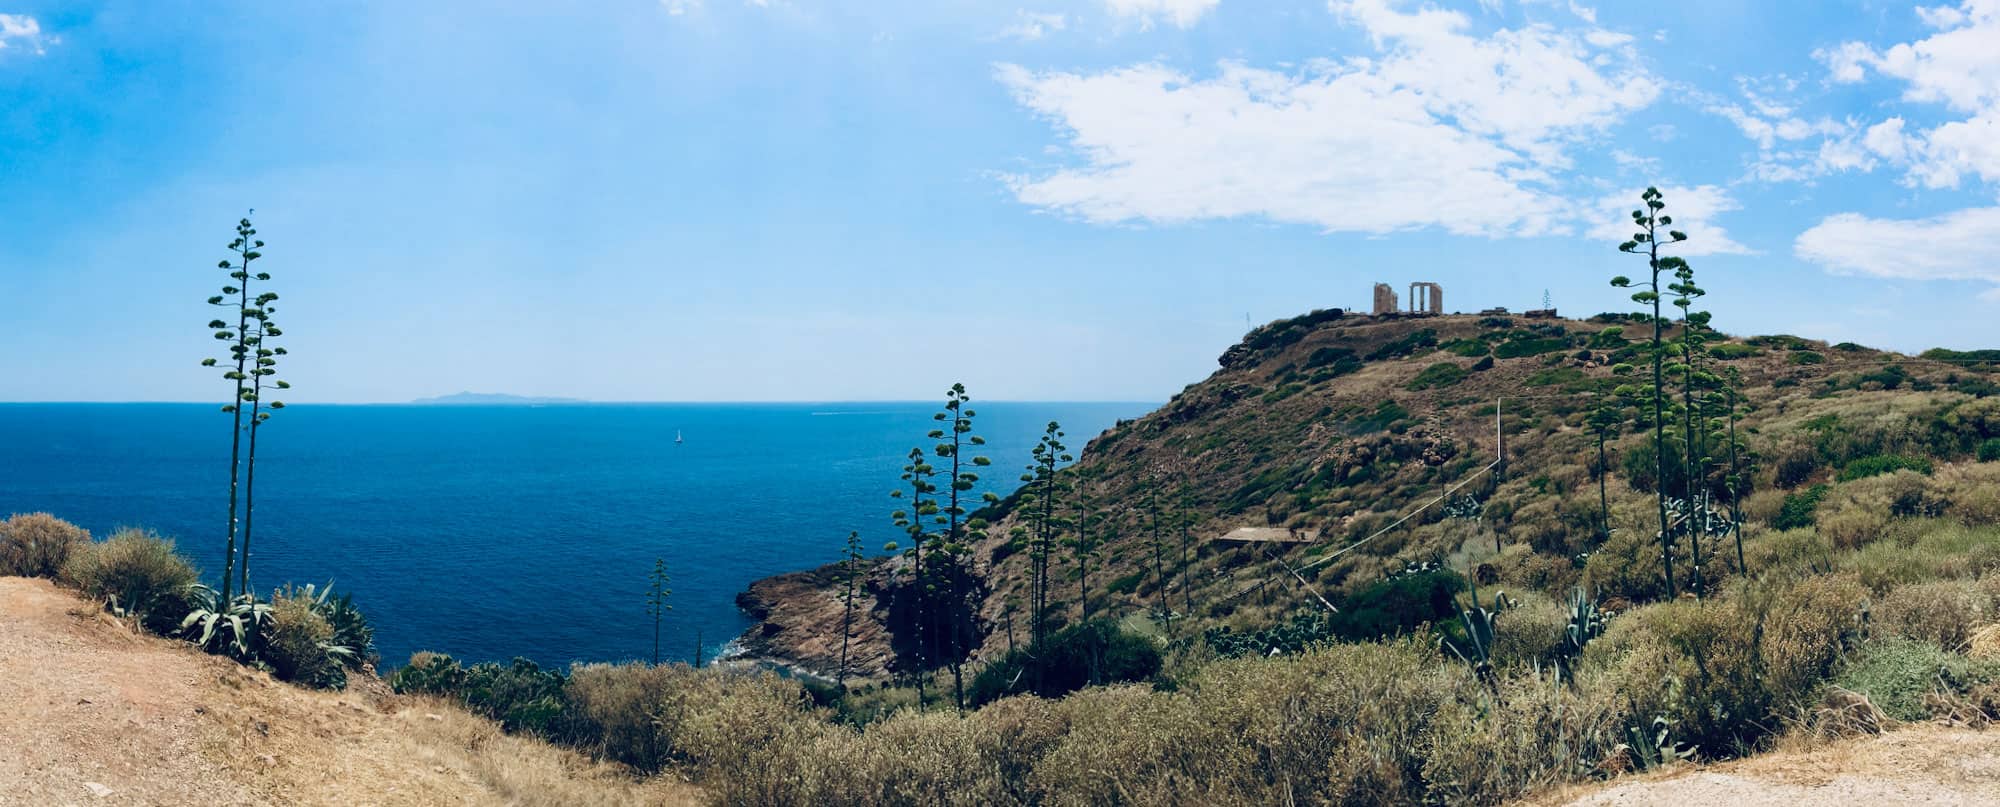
(801, 200)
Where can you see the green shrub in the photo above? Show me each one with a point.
(1441, 374)
(1798, 509)
(1732, 351)
(350, 630)
(1989, 449)
(1807, 357)
(1485, 363)
(1407, 346)
(429, 673)
(1882, 464)
(1469, 348)
(138, 574)
(1331, 362)
(1125, 584)
(1398, 604)
(521, 696)
(1897, 674)
(1520, 348)
(1095, 652)
(38, 545)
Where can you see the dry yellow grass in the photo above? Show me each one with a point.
(1923, 764)
(1985, 643)
(98, 714)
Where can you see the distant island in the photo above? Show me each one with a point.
(493, 399)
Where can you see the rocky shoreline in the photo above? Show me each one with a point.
(798, 617)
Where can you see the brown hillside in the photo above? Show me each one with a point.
(97, 714)
(1339, 426)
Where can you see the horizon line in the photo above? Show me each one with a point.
(582, 402)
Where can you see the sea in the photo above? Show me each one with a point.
(491, 532)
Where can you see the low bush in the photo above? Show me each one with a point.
(1441, 374)
(136, 574)
(1798, 509)
(520, 696)
(1410, 345)
(1732, 351)
(38, 545)
(1533, 734)
(1883, 464)
(649, 716)
(1529, 631)
(298, 642)
(1723, 672)
(1941, 612)
(1989, 449)
(1095, 652)
(1899, 675)
(1520, 348)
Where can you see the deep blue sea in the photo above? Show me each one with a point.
(495, 531)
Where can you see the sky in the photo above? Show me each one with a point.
(737, 200)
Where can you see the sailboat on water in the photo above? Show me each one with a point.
(677, 437)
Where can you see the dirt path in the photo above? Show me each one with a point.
(1920, 764)
(91, 713)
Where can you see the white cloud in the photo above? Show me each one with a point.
(1959, 68)
(1607, 39)
(1029, 26)
(1955, 246)
(22, 30)
(678, 8)
(1182, 13)
(1443, 129)
(1694, 211)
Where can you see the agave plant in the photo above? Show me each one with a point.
(1479, 622)
(1586, 622)
(1649, 750)
(310, 647)
(233, 626)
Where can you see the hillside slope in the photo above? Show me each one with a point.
(98, 714)
(1340, 426)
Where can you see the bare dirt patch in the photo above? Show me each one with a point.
(1921, 764)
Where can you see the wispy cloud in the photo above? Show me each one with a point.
(22, 31)
(1029, 26)
(1695, 211)
(1181, 13)
(1443, 129)
(1955, 246)
(1959, 68)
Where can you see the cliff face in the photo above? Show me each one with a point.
(799, 619)
(1337, 426)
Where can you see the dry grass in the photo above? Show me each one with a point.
(521, 771)
(157, 722)
(38, 544)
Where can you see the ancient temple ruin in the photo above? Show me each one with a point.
(1426, 298)
(1385, 299)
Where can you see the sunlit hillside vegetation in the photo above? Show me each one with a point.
(1468, 653)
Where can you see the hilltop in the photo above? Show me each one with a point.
(1335, 426)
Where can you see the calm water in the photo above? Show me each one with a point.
(490, 532)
